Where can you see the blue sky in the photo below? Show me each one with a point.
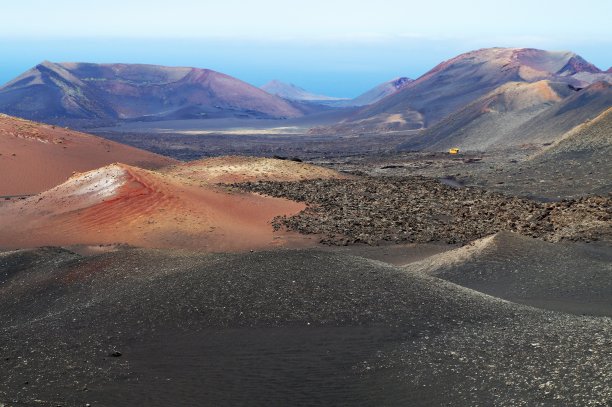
(338, 47)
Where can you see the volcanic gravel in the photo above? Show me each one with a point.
(570, 277)
(159, 328)
(418, 209)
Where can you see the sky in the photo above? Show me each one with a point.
(336, 47)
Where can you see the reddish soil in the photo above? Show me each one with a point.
(35, 157)
(128, 205)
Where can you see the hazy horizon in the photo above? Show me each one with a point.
(335, 48)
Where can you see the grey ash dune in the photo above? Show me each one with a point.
(574, 278)
(279, 328)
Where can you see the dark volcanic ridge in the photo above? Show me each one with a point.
(575, 110)
(277, 328)
(575, 164)
(417, 209)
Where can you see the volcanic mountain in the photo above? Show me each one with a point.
(457, 82)
(99, 93)
(179, 208)
(35, 157)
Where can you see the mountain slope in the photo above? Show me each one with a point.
(581, 158)
(55, 92)
(592, 137)
(457, 82)
(551, 124)
(375, 94)
(490, 121)
(35, 157)
(575, 164)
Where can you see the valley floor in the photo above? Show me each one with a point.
(510, 171)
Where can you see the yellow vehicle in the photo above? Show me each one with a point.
(453, 150)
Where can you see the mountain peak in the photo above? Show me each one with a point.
(578, 64)
(529, 59)
(47, 64)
